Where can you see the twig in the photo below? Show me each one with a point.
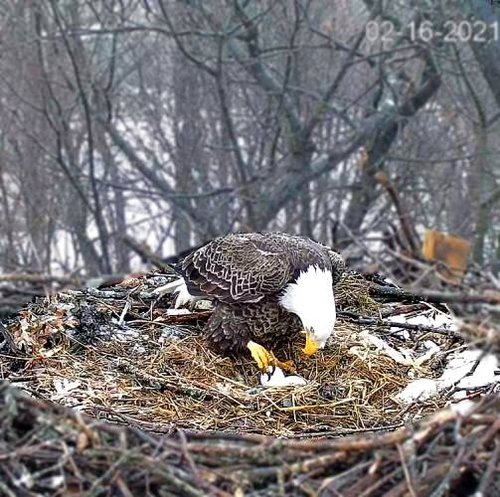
(406, 471)
(38, 278)
(403, 309)
(148, 255)
(434, 296)
(13, 348)
(367, 320)
(490, 472)
(220, 464)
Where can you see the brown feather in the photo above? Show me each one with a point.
(244, 274)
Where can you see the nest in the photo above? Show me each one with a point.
(120, 354)
(50, 450)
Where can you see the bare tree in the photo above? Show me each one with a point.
(174, 122)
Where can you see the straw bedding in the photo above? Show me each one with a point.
(196, 424)
(119, 354)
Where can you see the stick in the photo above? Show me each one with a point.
(434, 296)
(359, 319)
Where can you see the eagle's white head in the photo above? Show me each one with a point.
(311, 298)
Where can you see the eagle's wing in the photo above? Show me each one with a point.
(338, 265)
(238, 268)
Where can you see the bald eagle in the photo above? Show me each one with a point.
(266, 288)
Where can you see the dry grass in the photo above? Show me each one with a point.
(352, 294)
(119, 355)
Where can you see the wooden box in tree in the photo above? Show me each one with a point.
(452, 251)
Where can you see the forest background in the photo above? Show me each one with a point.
(358, 123)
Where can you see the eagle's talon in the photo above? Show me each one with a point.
(270, 372)
(287, 366)
(261, 356)
(266, 360)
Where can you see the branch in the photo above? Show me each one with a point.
(376, 129)
(38, 278)
(368, 320)
(252, 63)
(128, 460)
(321, 105)
(436, 297)
(147, 254)
(403, 214)
(182, 202)
(492, 199)
(98, 211)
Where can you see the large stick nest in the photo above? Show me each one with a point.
(50, 450)
(119, 353)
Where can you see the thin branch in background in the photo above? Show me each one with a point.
(279, 126)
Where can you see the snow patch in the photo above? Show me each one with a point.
(458, 373)
(431, 317)
(178, 312)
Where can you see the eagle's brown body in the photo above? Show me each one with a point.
(244, 275)
(231, 326)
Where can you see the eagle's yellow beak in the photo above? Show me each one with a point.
(311, 344)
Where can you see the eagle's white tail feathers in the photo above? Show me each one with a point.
(178, 287)
(169, 288)
(183, 296)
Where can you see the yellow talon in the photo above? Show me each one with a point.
(261, 355)
(311, 344)
(264, 358)
(287, 366)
